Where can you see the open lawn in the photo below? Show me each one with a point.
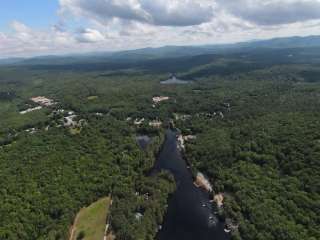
(91, 221)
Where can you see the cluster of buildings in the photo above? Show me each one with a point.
(43, 101)
(69, 118)
(139, 122)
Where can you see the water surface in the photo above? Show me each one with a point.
(190, 214)
(175, 80)
(143, 141)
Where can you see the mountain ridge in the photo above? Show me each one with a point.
(169, 51)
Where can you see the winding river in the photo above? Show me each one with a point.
(190, 214)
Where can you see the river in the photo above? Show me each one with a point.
(190, 214)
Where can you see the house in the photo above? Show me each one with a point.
(160, 99)
(30, 110)
(138, 122)
(155, 123)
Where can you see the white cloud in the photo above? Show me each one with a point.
(184, 13)
(155, 12)
(95, 25)
(89, 35)
(27, 41)
(272, 12)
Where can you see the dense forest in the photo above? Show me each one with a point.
(255, 116)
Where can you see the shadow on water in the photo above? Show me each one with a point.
(190, 213)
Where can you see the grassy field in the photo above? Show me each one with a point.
(92, 98)
(91, 221)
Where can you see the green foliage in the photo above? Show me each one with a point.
(269, 166)
(138, 212)
(257, 126)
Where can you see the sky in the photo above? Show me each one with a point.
(45, 27)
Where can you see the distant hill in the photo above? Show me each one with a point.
(288, 42)
(180, 51)
(10, 60)
(132, 56)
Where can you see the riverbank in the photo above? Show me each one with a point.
(190, 213)
(202, 182)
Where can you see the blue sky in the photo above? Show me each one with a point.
(34, 13)
(41, 27)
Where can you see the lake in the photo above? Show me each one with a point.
(175, 80)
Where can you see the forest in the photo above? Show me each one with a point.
(255, 115)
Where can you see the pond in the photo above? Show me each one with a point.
(143, 141)
(174, 80)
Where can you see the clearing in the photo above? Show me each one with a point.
(90, 98)
(91, 221)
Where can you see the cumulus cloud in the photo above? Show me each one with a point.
(272, 12)
(177, 12)
(155, 12)
(91, 25)
(194, 12)
(23, 32)
(26, 41)
(88, 35)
